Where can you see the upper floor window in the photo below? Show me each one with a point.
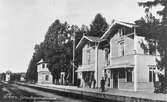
(47, 65)
(121, 32)
(89, 56)
(107, 51)
(121, 51)
(43, 65)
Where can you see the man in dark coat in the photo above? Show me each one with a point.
(102, 84)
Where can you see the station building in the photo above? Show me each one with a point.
(91, 69)
(122, 56)
(131, 66)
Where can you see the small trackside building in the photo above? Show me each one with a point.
(8, 75)
(44, 75)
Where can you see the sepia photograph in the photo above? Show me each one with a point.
(83, 50)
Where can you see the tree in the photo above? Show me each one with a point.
(160, 34)
(55, 49)
(3, 75)
(98, 26)
(31, 74)
(58, 47)
(15, 77)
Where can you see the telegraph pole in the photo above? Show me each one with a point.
(135, 61)
(73, 75)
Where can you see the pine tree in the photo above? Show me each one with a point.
(98, 26)
(161, 33)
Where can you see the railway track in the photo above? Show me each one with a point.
(11, 92)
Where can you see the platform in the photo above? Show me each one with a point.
(109, 94)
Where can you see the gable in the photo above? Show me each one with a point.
(87, 39)
(115, 26)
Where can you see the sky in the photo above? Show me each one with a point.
(24, 23)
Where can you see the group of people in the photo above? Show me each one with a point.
(102, 83)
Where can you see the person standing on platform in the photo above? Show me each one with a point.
(102, 84)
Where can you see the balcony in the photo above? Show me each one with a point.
(86, 68)
(123, 61)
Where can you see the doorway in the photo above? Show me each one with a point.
(115, 79)
(129, 75)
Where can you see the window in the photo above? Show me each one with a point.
(121, 48)
(89, 56)
(47, 77)
(120, 32)
(47, 65)
(151, 74)
(43, 65)
(107, 51)
(122, 73)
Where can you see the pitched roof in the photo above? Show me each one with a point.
(42, 61)
(111, 28)
(8, 72)
(92, 39)
(84, 39)
(117, 23)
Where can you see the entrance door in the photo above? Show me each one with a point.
(115, 79)
(129, 75)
